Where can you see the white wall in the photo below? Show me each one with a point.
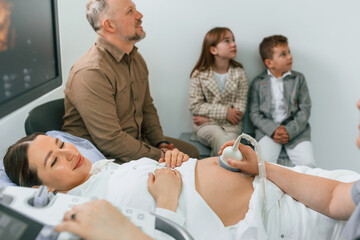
(323, 37)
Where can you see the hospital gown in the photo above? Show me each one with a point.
(126, 185)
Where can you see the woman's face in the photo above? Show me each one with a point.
(59, 165)
(358, 139)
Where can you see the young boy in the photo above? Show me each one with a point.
(280, 105)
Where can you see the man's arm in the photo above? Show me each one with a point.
(151, 127)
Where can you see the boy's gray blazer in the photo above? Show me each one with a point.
(298, 107)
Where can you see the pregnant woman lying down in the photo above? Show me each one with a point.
(209, 201)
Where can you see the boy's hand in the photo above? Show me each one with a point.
(280, 135)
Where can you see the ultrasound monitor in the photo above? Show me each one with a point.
(29, 52)
(17, 226)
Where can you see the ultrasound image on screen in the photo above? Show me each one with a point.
(27, 46)
(10, 227)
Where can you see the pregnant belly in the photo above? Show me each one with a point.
(227, 193)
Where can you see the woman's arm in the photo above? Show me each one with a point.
(329, 197)
(165, 187)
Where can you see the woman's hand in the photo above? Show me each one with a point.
(248, 164)
(99, 219)
(174, 158)
(165, 187)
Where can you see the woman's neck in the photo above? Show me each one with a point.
(82, 182)
(221, 65)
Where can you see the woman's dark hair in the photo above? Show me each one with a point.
(16, 163)
(211, 39)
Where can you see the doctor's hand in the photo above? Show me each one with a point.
(174, 158)
(99, 219)
(165, 187)
(248, 164)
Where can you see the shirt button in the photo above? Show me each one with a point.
(282, 236)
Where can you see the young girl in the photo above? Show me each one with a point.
(218, 90)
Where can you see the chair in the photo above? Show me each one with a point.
(46, 117)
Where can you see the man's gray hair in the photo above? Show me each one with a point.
(95, 9)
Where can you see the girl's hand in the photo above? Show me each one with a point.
(200, 120)
(234, 116)
(174, 158)
(165, 187)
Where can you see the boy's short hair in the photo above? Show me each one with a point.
(268, 43)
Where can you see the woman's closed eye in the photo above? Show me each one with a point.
(55, 159)
(53, 162)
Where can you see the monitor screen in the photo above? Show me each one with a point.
(17, 226)
(29, 52)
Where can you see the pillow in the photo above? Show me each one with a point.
(86, 148)
(4, 179)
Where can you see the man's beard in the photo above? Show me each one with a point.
(133, 38)
(136, 37)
